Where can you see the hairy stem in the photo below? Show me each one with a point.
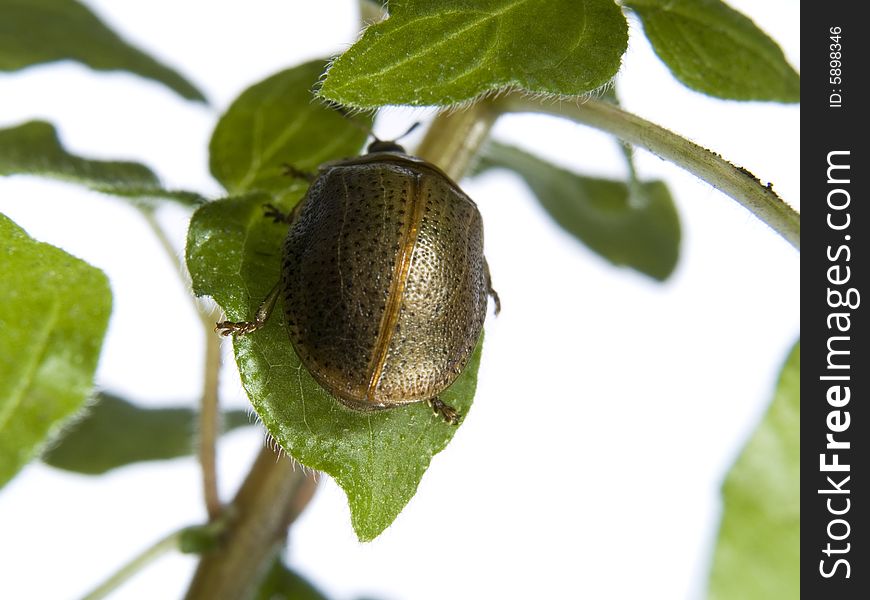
(209, 414)
(275, 491)
(209, 420)
(162, 238)
(455, 137)
(734, 181)
(149, 555)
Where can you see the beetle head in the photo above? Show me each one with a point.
(379, 145)
(385, 146)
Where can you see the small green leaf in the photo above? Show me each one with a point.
(275, 123)
(40, 31)
(233, 254)
(633, 225)
(443, 53)
(758, 552)
(54, 310)
(713, 49)
(33, 148)
(114, 433)
(282, 583)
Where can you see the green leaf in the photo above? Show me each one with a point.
(233, 255)
(276, 123)
(282, 583)
(714, 49)
(632, 225)
(443, 53)
(40, 31)
(33, 148)
(758, 552)
(114, 433)
(54, 310)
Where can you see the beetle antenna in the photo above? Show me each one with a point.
(394, 140)
(407, 133)
(379, 145)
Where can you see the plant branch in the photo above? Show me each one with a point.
(209, 413)
(455, 137)
(203, 308)
(734, 181)
(274, 493)
(149, 555)
(209, 421)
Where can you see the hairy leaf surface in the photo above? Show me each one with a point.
(114, 433)
(233, 255)
(632, 225)
(278, 123)
(758, 551)
(713, 49)
(41, 31)
(54, 310)
(443, 53)
(33, 148)
(378, 458)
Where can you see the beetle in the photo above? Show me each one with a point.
(383, 280)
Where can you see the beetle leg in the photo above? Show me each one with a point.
(445, 411)
(245, 327)
(291, 171)
(276, 214)
(279, 216)
(489, 289)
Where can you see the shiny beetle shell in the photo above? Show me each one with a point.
(384, 281)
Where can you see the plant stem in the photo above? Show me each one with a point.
(455, 137)
(149, 555)
(275, 491)
(162, 238)
(209, 414)
(734, 181)
(209, 421)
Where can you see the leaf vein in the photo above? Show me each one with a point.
(41, 348)
(448, 37)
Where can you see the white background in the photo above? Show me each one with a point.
(609, 407)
